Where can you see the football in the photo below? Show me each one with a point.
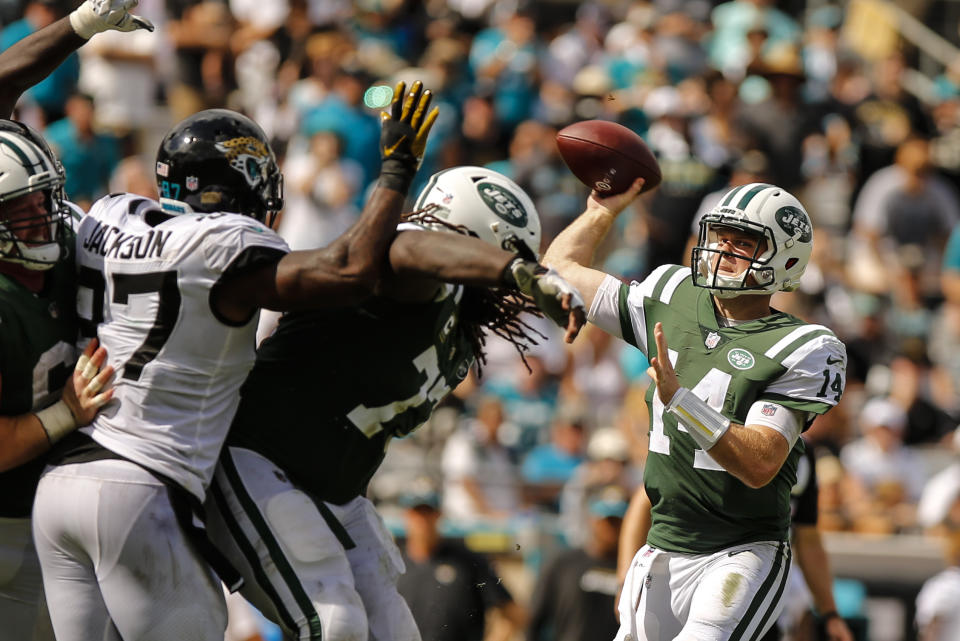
(607, 157)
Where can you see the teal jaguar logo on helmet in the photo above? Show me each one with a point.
(795, 223)
(504, 204)
(740, 358)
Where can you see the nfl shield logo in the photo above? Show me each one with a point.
(712, 340)
(192, 183)
(768, 409)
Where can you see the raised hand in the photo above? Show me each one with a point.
(95, 16)
(618, 202)
(661, 369)
(403, 135)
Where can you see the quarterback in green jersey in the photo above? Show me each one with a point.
(735, 383)
(331, 388)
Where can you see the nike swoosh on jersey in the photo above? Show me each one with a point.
(388, 151)
(833, 361)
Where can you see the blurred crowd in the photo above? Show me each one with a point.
(824, 98)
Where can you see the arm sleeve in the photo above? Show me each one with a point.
(784, 420)
(618, 308)
(815, 376)
(231, 236)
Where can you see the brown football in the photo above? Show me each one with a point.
(607, 157)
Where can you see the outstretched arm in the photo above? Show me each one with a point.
(32, 59)
(347, 270)
(430, 256)
(571, 253)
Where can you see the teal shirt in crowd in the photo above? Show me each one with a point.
(88, 163)
(52, 92)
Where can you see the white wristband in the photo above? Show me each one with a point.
(705, 424)
(57, 421)
(85, 22)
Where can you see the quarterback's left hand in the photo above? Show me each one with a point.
(557, 299)
(661, 369)
(94, 16)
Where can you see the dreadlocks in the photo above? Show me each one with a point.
(496, 309)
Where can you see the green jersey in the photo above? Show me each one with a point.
(698, 507)
(330, 388)
(38, 333)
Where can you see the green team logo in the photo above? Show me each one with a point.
(740, 358)
(795, 223)
(504, 204)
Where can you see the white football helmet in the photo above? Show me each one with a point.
(490, 205)
(27, 167)
(777, 265)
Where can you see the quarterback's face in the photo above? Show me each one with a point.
(22, 216)
(735, 243)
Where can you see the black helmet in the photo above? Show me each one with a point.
(219, 160)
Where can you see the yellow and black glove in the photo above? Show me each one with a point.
(403, 135)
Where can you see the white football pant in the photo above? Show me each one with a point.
(116, 563)
(297, 571)
(733, 595)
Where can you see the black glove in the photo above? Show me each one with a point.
(403, 135)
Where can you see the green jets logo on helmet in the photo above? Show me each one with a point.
(740, 358)
(504, 204)
(795, 223)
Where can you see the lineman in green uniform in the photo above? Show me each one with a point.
(331, 388)
(736, 382)
(40, 401)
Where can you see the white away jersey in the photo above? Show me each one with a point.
(145, 280)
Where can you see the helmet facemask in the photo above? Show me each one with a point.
(25, 169)
(776, 220)
(754, 277)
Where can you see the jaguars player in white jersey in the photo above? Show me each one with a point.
(37, 320)
(331, 388)
(172, 290)
(736, 382)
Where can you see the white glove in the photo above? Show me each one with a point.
(547, 288)
(94, 16)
